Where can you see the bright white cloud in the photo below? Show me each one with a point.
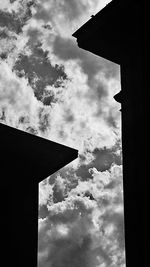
(17, 100)
(7, 6)
(45, 192)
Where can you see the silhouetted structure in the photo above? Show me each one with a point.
(118, 33)
(25, 161)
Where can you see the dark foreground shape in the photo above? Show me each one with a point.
(25, 160)
(119, 33)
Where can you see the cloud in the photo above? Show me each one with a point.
(45, 192)
(96, 80)
(67, 233)
(80, 231)
(15, 19)
(51, 88)
(17, 100)
(72, 69)
(14, 91)
(75, 114)
(40, 73)
(61, 13)
(67, 15)
(59, 189)
(66, 49)
(101, 183)
(101, 159)
(45, 198)
(73, 9)
(7, 42)
(9, 5)
(63, 121)
(69, 177)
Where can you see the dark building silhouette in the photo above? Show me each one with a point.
(25, 160)
(119, 33)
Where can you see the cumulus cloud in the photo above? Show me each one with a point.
(19, 107)
(16, 97)
(92, 80)
(7, 42)
(66, 49)
(45, 192)
(51, 88)
(64, 15)
(67, 82)
(67, 232)
(15, 15)
(70, 123)
(103, 183)
(85, 231)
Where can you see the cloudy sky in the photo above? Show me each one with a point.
(51, 88)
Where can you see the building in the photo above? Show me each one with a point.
(25, 160)
(119, 33)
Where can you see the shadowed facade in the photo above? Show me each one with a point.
(118, 33)
(25, 160)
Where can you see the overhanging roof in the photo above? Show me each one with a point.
(33, 156)
(111, 32)
(25, 160)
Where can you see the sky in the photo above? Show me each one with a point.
(51, 88)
